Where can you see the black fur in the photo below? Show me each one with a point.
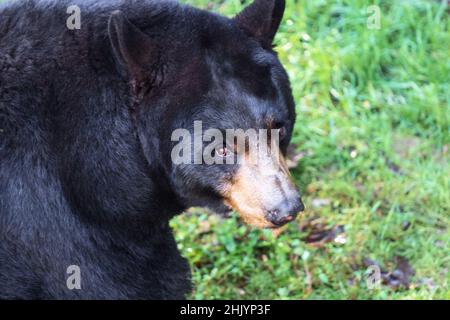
(85, 172)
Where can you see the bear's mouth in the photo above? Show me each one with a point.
(265, 202)
(253, 218)
(275, 229)
(224, 211)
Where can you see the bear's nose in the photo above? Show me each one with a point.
(285, 212)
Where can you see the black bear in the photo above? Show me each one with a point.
(88, 182)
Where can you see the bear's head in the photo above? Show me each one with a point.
(213, 94)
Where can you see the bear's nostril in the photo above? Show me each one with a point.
(277, 218)
(274, 213)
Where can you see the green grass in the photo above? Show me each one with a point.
(373, 123)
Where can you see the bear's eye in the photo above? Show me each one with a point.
(222, 152)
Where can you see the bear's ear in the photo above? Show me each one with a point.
(261, 19)
(133, 50)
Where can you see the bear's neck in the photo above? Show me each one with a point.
(114, 175)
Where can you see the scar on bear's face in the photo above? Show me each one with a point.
(258, 187)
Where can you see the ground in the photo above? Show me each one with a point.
(372, 140)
